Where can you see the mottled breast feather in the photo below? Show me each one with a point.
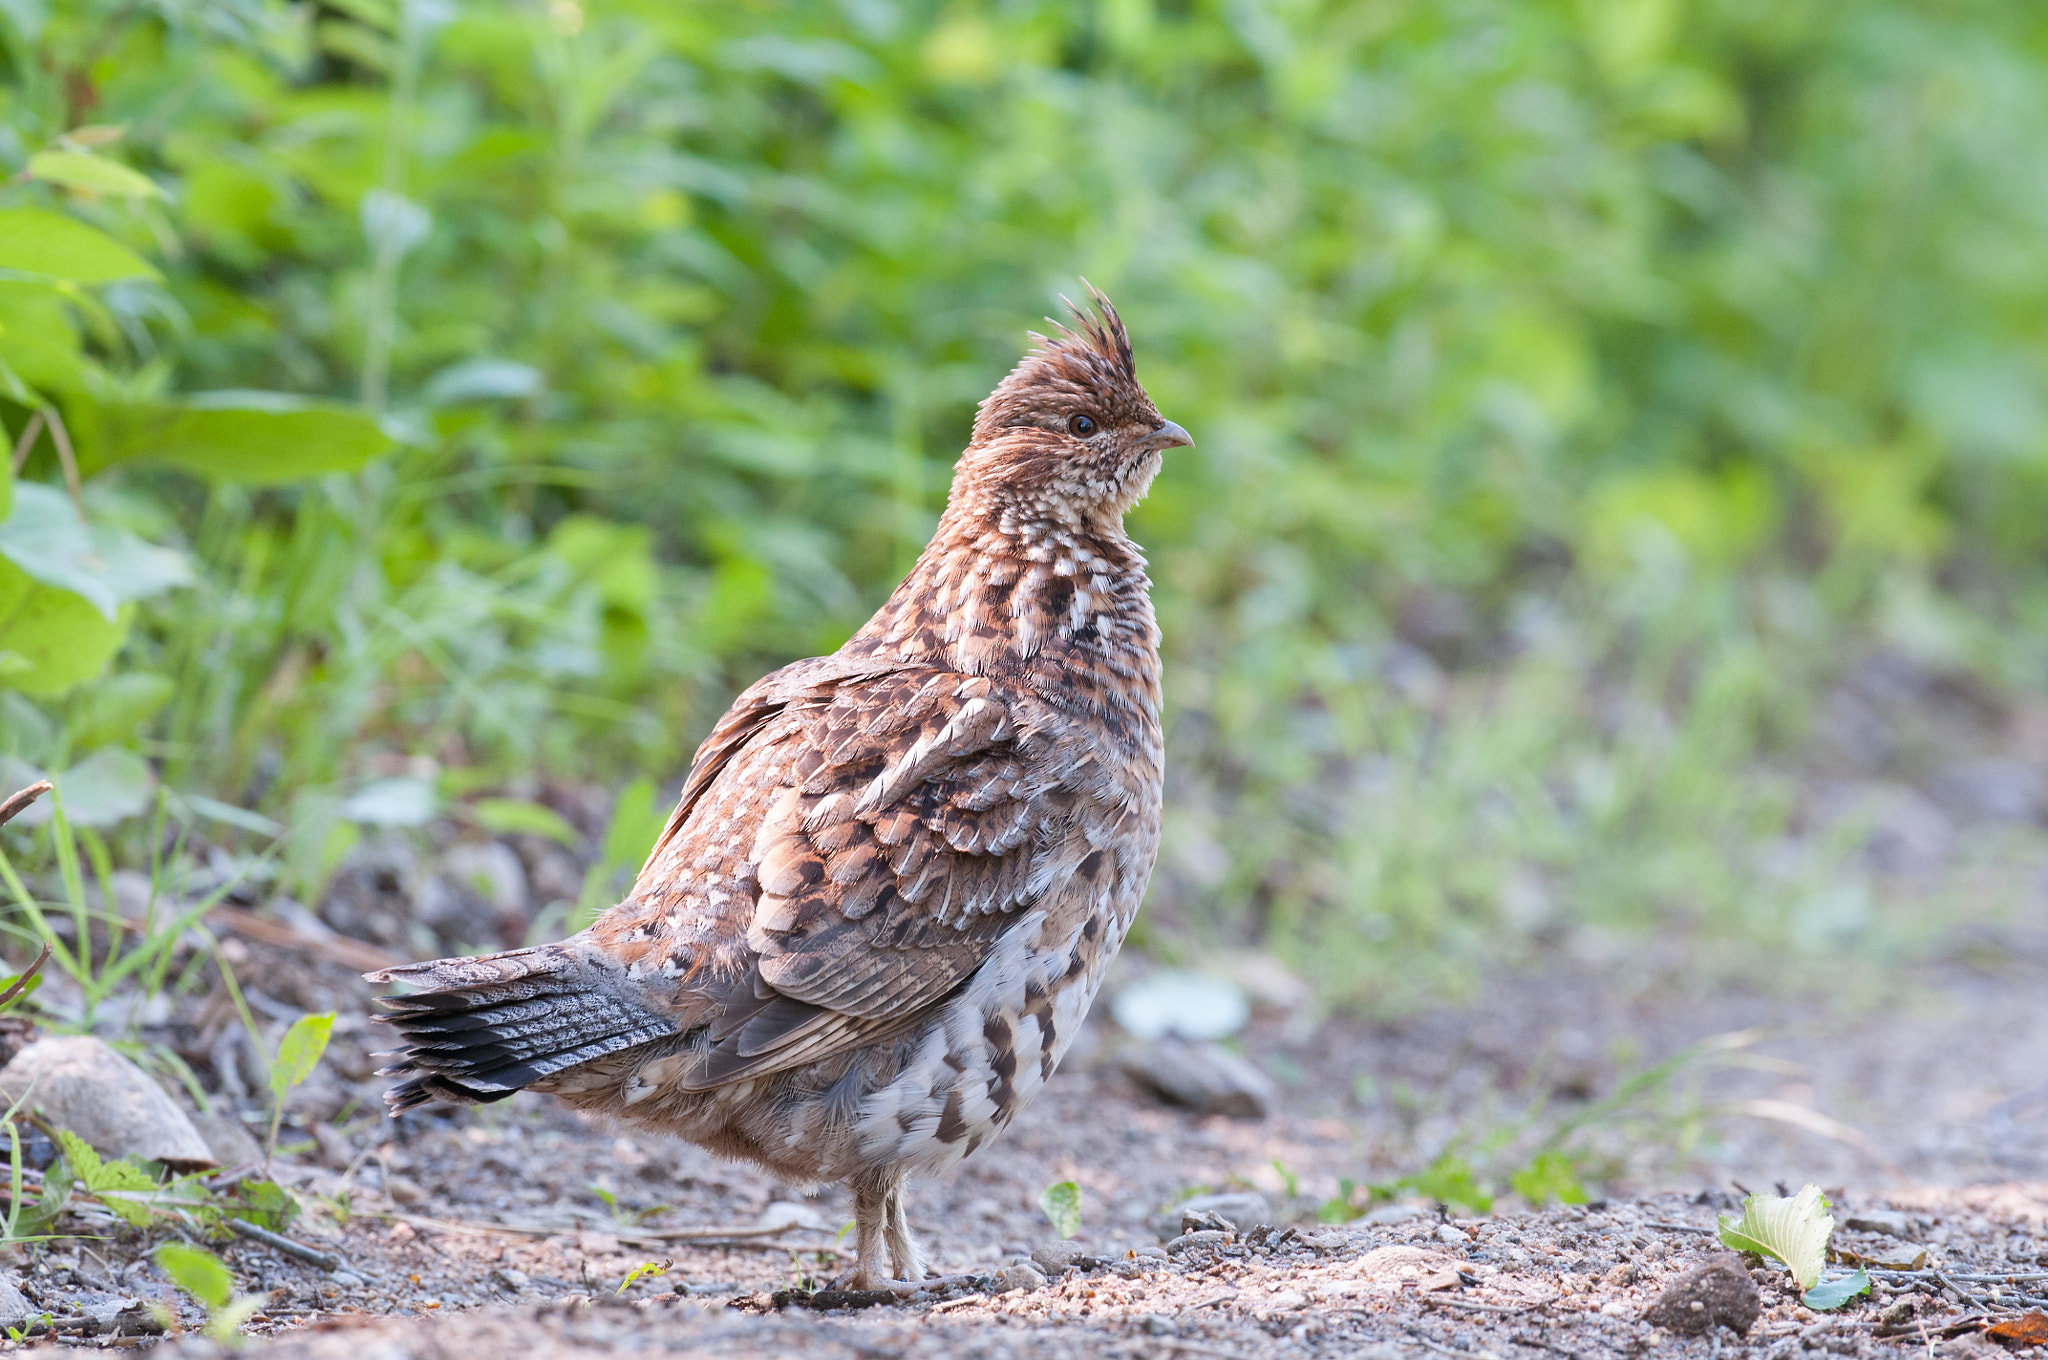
(849, 845)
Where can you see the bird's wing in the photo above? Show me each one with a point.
(873, 835)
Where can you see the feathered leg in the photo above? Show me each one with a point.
(905, 1259)
(870, 1220)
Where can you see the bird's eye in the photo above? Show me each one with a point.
(1083, 426)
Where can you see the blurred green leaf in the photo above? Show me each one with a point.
(50, 639)
(81, 170)
(514, 816)
(249, 438)
(46, 538)
(1061, 1202)
(37, 241)
(1549, 1176)
(1449, 1180)
(198, 1272)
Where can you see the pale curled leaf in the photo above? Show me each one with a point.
(1794, 1231)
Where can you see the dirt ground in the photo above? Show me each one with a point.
(509, 1230)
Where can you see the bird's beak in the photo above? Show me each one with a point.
(1170, 436)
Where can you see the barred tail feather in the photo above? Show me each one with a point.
(478, 1029)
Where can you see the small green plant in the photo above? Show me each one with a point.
(1794, 1230)
(205, 1277)
(100, 973)
(1289, 1182)
(1549, 1176)
(298, 1053)
(1061, 1202)
(644, 1270)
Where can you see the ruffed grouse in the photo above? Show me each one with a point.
(897, 873)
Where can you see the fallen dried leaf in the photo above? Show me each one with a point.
(2018, 1333)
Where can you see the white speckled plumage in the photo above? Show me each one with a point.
(896, 874)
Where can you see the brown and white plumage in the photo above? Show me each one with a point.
(896, 874)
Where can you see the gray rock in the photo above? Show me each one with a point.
(1995, 789)
(1453, 1237)
(1382, 1350)
(1020, 1275)
(1156, 1324)
(15, 1311)
(81, 1084)
(1888, 1221)
(228, 1139)
(1053, 1257)
(1205, 1078)
(1238, 1208)
(1207, 1239)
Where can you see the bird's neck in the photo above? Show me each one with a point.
(1000, 591)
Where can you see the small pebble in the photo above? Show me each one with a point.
(1158, 1325)
(1022, 1275)
(1454, 1237)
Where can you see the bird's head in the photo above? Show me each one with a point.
(1069, 433)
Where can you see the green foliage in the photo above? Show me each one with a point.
(1061, 1202)
(1832, 1294)
(1575, 382)
(298, 1053)
(1793, 1229)
(1449, 1180)
(1549, 1176)
(205, 1277)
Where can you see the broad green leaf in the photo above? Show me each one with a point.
(37, 241)
(264, 1203)
(1550, 1176)
(108, 786)
(298, 1053)
(515, 816)
(46, 537)
(82, 170)
(250, 438)
(1062, 1204)
(39, 341)
(1831, 1294)
(198, 1272)
(52, 639)
(1794, 1231)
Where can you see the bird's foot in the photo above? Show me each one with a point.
(864, 1281)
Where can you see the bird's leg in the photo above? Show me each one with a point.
(870, 1218)
(905, 1260)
